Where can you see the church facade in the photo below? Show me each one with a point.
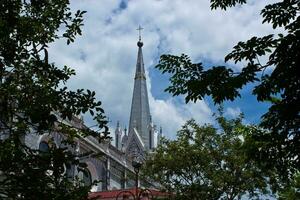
(114, 167)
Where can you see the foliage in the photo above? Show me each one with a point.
(207, 163)
(292, 191)
(225, 3)
(34, 99)
(277, 81)
(31, 174)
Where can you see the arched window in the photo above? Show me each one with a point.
(85, 176)
(69, 170)
(44, 147)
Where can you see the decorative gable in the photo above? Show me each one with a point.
(135, 147)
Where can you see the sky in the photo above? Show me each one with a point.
(104, 57)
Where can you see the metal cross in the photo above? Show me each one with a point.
(140, 29)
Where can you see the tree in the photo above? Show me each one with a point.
(276, 81)
(34, 100)
(207, 163)
(291, 191)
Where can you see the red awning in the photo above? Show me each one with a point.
(112, 194)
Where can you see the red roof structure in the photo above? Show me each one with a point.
(113, 194)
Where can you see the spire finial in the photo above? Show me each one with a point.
(125, 130)
(140, 30)
(140, 43)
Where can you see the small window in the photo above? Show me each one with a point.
(44, 147)
(69, 170)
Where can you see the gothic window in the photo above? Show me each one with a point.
(69, 170)
(150, 139)
(85, 176)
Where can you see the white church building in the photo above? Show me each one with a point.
(114, 167)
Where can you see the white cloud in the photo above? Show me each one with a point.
(233, 112)
(104, 57)
(171, 115)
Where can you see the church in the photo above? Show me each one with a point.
(114, 167)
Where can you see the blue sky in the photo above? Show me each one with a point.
(104, 56)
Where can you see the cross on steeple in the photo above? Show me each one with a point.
(139, 29)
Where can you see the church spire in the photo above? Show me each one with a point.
(140, 112)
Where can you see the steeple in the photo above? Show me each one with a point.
(140, 112)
